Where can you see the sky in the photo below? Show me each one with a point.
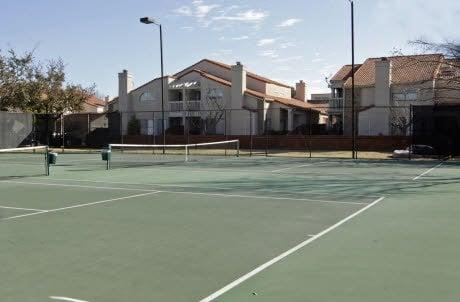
(288, 40)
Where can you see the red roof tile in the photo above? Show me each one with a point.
(405, 70)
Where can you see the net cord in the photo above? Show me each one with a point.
(45, 148)
(185, 146)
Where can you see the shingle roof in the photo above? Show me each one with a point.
(344, 73)
(405, 70)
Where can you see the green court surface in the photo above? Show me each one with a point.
(234, 229)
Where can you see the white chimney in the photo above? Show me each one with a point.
(125, 85)
(301, 91)
(238, 85)
(382, 82)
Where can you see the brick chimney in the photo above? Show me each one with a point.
(301, 91)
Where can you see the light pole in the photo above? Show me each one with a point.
(147, 20)
(353, 119)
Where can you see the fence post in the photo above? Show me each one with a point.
(225, 130)
(121, 127)
(411, 131)
(309, 131)
(250, 133)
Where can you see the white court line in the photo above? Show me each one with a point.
(339, 194)
(135, 183)
(266, 197)
(75, 186)
(271, 262)
(23, 209)
(78, 206)
(428, 171)
(66, 299)
(295, 167)
(188, 192)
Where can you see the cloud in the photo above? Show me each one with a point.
(264, 42)
(186, 28)
(269, 54)
(197, 9)
(289, 22)
(251, 15)
(317, 60)
(288, 59)
(183, 10)
(240, 38)
(287, 45)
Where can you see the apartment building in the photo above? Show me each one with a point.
(385, 90)
(220, 97)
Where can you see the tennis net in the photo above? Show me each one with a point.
(24, 162)
(132, 155)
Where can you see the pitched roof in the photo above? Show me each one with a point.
(262, 96)
(94, 101)
(226, 66)
(405, 70)
(344, 73)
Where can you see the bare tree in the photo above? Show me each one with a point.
(213, 113)
(401, 120)
(447, 76)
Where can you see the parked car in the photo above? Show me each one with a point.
(417, 150)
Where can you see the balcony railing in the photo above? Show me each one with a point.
(191, 105)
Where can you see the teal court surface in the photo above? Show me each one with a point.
(235, 229)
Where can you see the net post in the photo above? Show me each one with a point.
(238, 148)
(47, 165)
(186, 153)
(109, 157)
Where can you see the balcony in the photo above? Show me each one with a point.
(335, 105)
(191, 105)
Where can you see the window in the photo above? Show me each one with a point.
(146, 97)
(405, 96)
(195, 95)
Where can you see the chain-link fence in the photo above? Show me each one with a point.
(313, 132)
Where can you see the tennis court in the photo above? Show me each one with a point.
(227, 228)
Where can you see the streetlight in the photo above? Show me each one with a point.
(353, 120)
(147, 20)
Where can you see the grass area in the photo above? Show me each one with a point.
(173, 231)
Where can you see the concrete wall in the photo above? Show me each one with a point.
(275, 90)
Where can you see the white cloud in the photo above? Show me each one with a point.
(240, 38)
(183, 10)
(287, 45)
(289, 22)
(198, 9)
(269, 54)
(264, 42)
(246, 16)
(288, 59)
(186, 28)
(317, 60)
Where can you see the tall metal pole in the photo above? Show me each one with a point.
(353, 119)
(162, 91)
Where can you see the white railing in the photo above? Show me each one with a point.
(185, 105)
